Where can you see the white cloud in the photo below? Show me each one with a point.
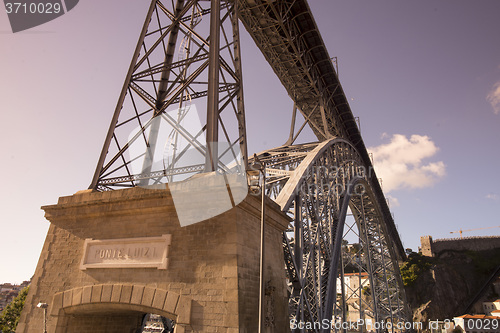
(494, 98)
(393, 201)
(400, 163)
(493, 196)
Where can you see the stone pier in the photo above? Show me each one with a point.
(111, 257)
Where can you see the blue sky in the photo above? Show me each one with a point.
(422, 76)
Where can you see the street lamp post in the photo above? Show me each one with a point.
(44, 306)
(258, 169)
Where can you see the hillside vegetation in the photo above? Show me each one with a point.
(442, 287)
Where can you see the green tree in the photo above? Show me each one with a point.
(414, 267)
(355, 248)
(9, 318)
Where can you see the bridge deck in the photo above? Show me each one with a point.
(287, 35)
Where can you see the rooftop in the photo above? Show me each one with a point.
(482, 316)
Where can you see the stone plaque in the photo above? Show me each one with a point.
(141, 252)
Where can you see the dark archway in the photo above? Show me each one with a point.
(111, 308)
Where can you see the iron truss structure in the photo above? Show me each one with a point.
(317, 184)
(181, 112)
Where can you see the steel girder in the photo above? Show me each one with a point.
(187, 63)
(288, 37)
(286, 33)
(314, 184)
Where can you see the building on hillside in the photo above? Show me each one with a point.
(496, 286)
(431, 248)
(6, 287)
(352, 281)
(357, 293)
(490, 307)
(6, 297)
(477, 323)
(154, 323)
(9, 291)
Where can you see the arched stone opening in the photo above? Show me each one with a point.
(116, 308)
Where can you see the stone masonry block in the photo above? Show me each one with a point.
(230, 295)
(106, 293)
(231, 308)
(137, 292)
(230, 321)
(230, 271)
(126, 294)
(96, 294)
(183, 310)
(159, 298)
(86, 294)
(56, 304)
(77, 296)
(147, 297)
(231, 283)
(68, 298)
(179, 329)
(171, 302)
(115, 294)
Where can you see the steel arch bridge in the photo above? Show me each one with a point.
(187, 65)
(316, 184)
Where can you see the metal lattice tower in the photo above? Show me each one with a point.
(187, 55)
(181, 112)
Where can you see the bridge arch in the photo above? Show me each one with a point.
(320, 185)
(116, 307)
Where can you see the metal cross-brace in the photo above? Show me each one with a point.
(186, 70)
(315, 184)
